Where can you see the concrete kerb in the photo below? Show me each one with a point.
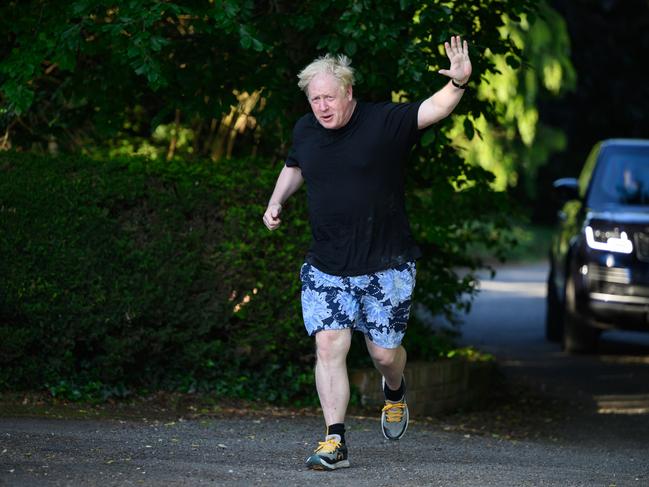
(433, 387)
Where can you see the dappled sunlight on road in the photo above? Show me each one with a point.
(529, 289)
(622, 404)
(507, 319)
(625, 359)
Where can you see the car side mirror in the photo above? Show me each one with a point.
(566, 189)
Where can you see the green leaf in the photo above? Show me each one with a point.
(18, 95)
(513, 62)
(428, 137)
(333, 44)
(246, 42)
(469, 131)
(158, 43)
(257, 45)
(350, 48)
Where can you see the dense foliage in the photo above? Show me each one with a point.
(126, 274)
(138, 249)
(86, 71)
(131, 273)
(516, 143)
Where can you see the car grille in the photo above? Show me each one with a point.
(642, 246)
(616, 281)
(618, 275)
(620, 290)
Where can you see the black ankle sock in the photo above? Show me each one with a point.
(397, 395)
(337, 429)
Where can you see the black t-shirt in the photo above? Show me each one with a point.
(355, 190)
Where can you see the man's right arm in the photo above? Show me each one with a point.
(289, 181)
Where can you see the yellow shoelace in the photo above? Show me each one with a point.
(327, 446)
(394, 411)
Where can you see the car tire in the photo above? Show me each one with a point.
(578, 336)
(553, 312)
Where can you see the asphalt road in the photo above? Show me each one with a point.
(600, 441)
(508, 320)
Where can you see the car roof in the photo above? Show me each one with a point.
(625, 142)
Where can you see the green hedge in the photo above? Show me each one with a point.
(126, 274)
(121, 276)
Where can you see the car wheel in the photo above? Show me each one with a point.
(578, 336)
(553, 314)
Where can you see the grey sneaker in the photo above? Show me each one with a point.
(330, 455)
(394, 417)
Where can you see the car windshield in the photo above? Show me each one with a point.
(621, 177)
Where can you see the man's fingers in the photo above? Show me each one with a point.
(271, 222)
(456, 46)
(271, 216)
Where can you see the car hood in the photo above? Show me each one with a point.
(620, 215)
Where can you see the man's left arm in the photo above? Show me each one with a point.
(444, 101)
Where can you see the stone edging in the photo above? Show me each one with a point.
(433, 387)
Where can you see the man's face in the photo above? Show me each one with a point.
(331, 104)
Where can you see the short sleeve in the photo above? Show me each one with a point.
(401, 121)
(291, 158)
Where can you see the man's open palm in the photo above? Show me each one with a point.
(458, 53)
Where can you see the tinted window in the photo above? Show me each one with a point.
(621, 177)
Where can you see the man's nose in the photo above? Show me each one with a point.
(322, 105)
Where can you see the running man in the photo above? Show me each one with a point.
(359, 272)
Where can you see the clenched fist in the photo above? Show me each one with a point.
(271, 216)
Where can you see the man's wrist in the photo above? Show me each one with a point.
(461, 84)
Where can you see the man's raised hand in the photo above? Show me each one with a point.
(458, 53)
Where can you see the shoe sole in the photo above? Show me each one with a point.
(322, 465)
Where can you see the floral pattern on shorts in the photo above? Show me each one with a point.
(377, 304)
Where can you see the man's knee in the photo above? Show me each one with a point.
(332, 345)
(386, 357)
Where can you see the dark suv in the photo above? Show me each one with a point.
(599, 259)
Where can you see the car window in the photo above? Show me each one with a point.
(587, 171)
(621, 177)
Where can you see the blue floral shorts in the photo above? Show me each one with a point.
(376, 304)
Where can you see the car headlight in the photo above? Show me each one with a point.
(610, 239)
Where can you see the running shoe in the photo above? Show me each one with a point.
(394, 417)
(330, 455)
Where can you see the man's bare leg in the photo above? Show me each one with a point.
(333, 389)
(331, 377)
(390, 362)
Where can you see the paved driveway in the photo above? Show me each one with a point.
(507, 319)
(599, 437)
(270, 451)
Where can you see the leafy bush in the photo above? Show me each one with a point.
(124, 275)
(145, 274)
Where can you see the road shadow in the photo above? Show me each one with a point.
(606, 391)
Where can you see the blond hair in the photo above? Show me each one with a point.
(339, 66)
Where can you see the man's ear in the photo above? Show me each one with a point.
(349, 93)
